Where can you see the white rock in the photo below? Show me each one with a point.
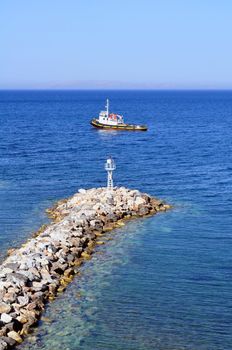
(6, 270)
(23, 300)
(139, 201)
(6, 318)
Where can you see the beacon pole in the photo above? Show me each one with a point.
(110, 167)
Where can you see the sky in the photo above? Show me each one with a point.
(118, 44)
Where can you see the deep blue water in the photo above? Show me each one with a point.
(162, 283)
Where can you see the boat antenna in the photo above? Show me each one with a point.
(107, 107)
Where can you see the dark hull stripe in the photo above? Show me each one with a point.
(122, 127)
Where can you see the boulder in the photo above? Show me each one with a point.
(70, 258)
(10, 342)
(18, 279)
(12, 266)
(51, 248)
(23, 300)
(33, 305)
(6, 318)
(39, 295)
(9, 297)
(140, 201)
(4, 308)
(77, 232)
(3, 344)
(39, 286)
(22, 319)
(7, 328)
(5, 285)
(52, 288)
(76, 251)
(29, 274)
(143, 211)
(14, 335)
(5, 271)
(59, 267)
(111, 217)
(3, 331)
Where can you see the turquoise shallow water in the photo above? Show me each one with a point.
(160, 283)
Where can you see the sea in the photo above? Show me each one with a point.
(158, 283)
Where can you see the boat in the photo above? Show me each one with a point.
(111, 121)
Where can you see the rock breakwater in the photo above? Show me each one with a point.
(45, 264)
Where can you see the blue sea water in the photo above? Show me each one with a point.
(161, 283)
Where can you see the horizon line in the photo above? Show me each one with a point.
(116, 89)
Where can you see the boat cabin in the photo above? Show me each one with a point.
(110, 118)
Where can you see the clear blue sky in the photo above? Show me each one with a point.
(116, 44)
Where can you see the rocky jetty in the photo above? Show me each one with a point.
(45, 264)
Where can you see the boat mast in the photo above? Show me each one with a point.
(107, 107)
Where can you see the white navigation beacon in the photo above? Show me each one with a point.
(110, 167)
